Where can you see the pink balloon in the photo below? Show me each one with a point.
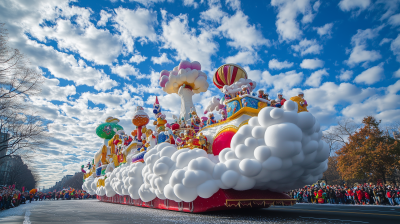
(174, 73)
(164, 73)
(168, 125)
(164, 79)
(184, 65)
(196, 65)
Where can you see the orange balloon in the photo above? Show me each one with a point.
(134, 132)
(140, 120)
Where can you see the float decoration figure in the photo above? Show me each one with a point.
(150, 138)
(82, 169)
(195, 122)
(185, 80)
(301, 102)
(211, 119)
(108, 129)
(156, 107)
(140, 119)
(160, 122)
(203, 122)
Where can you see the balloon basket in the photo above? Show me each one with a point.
(222, 200)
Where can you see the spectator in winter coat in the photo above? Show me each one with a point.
(313, 196)
(367, 197)
(397, 196)
(360, 196)
(339, 196)
(389, 196)
(332, 197)
(300, 196)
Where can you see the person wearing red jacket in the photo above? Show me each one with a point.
(367, 197)
(389, 196)
(360, 196)
(280, 100)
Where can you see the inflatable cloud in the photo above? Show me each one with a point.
(279, 150)
(237, 86)
(214, 104)
(90, 185)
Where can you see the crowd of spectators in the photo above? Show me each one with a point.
(11, 198)
(366, 194)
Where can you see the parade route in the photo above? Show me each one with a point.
(93, 211)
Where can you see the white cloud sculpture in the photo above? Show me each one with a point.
(279, 150)
(237, 86)
(186, 73)
(185, 80)
(214, 104)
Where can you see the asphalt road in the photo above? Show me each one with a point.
(93, 211)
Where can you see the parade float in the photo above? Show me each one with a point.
(257, 150)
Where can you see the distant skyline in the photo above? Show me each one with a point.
(103, 58)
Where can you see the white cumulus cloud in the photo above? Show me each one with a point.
(325, 30)
(275, 64)
(280, 82)
(312, 63)
(125, 71)
(385, 40)
(161, 60)
(288, 11)
(348, 5)
(371, 75)
(233, 4)
(397, 74)
(395, 47)
(243, 58)
(316, 77)
(345, 75)
(187, 42)
(307, 47)
(242, 34)
(137, 58)
(190, 3)
(138, 23)
(104, 16)
(395, 20)
(359, 41)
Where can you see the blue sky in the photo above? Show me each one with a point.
(102, 58)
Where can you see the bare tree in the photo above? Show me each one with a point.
(21, 129)
(337, 136)
(76, 181)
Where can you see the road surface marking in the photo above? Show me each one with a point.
(332, 219)
(27, 220)
(362, 213)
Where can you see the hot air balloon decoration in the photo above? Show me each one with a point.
(228, 74)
